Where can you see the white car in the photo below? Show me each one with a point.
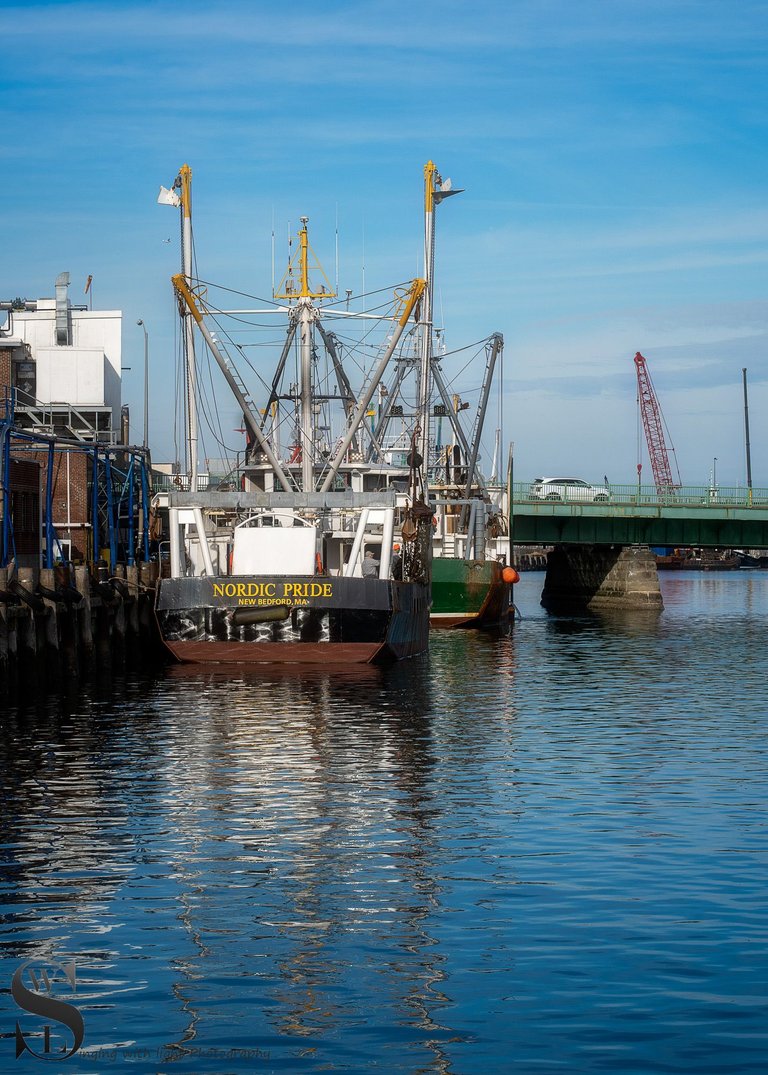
(568, 489)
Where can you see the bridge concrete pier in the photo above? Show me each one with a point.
(620, 577)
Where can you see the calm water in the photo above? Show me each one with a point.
(543, 853)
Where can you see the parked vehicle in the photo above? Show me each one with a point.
(568, 489)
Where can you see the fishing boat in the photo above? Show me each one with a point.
(472, 574)
(257, 590)
(315, 557)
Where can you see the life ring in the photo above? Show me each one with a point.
(318, 564)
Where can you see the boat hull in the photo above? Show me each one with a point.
(469, 593)
(698, 563)
(274, 653)
(292, 620)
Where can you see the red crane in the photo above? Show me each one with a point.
(653, 425)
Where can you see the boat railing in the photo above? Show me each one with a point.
(346, 501)
(168, 483)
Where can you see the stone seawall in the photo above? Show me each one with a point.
(601, 577)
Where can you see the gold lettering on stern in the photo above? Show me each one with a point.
(295, 594)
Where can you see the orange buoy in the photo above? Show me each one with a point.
(510, 575)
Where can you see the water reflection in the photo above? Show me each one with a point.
(320, 785)
(508, 854)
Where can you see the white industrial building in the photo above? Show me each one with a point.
(63, 361)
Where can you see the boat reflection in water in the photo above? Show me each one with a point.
(318, 784)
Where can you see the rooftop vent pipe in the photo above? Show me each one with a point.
(63, 333)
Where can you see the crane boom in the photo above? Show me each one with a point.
(654, 430)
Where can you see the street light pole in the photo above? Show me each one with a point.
(146, 383)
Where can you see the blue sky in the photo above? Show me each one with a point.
(613, 155)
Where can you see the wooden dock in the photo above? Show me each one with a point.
(58, 623)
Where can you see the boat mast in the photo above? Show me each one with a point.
(185, 182)
(473, 473)
(425, 378)
(415, 293)
(180, 284)
(435, 189)
(306, 316)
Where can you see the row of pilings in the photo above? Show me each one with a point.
(57, 624)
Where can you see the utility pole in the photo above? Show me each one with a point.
(146, 383)
(746, 430)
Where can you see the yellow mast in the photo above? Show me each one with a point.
(436, 189)
(299, 267)
(306, 314)
(184, 183)
(185, 178)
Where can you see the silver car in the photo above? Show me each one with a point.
(568, 489)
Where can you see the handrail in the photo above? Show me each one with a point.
(686, 496)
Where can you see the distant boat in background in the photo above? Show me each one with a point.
(695, 559)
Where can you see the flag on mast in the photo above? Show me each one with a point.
(88, 283)
(168, 197)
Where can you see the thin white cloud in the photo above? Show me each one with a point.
(519, 24)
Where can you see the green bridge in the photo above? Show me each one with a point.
(715, 517)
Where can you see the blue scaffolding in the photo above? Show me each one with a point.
(119, 495)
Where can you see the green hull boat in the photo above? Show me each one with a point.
(469, 593)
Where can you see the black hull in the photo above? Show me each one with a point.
(276, 619)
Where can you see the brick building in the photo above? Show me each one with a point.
(60, 373)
